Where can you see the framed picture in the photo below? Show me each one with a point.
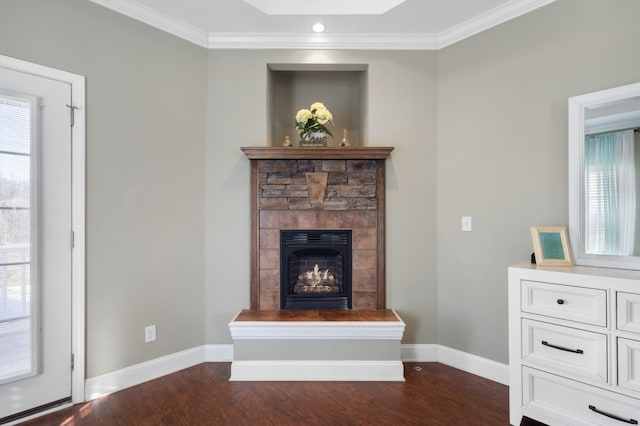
(551, 246)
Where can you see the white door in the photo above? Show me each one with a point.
(35, 242)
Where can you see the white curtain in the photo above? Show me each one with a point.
(626, 173)
(610, 193)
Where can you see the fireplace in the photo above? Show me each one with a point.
(318, 189)
(315, 269)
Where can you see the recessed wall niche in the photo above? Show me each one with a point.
(341, 87)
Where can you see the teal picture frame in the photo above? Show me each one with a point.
(551, 246)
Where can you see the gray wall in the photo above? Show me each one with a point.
(502, 149)
(146, 97)
(480, 129)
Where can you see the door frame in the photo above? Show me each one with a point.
(78, 185)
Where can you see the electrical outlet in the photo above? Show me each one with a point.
(150, 334)
(466, 223)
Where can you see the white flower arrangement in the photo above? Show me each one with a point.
(314, 119)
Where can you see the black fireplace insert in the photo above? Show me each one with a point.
(315, 269)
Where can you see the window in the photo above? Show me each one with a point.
(16, 325)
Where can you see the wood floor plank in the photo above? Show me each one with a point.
(433, 394)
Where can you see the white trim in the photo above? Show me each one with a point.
(339, 330)
(378, 371)
(464, 361)
(396, 41)
(258, 370)
(157, 19)
(474, 364)
(487, 20)
(78, 135)
(134, 375)
(323, 41)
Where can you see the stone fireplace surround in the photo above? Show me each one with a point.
(354, 198)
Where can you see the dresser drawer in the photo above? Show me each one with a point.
(628, 307)
(629, 364)
(585, 305)
(572, 351)
(559, 401)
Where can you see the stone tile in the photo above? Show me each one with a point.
(299, 178)
(273, 203)
(365, 259)
(270, 239)
(361, 165)
(270, 279)
(299, 204)
(363, 203)
(365, 238)
(345, 191)
(364, 280)
(358, 219)
(337, 178)
(334, 165)
(278, 219)
(364, 300)
(309, 165)
(290, 191)
(268, 187)
(336, 204)
(279, 178)
(269, 299)
(314, 219)
(269, 259)
(277, 165)
(362, 178)
(317, 186)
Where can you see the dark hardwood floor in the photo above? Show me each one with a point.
(433, 394)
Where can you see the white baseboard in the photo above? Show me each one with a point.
(98, 386)
(464, 361)
(105, 384)
(377, 371)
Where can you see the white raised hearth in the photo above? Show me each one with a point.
(317, 345)
(358, 344)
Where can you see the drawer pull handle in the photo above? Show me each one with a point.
(613, 416)
(575, 351)
(560, 301)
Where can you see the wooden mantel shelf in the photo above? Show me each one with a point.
(328, 153)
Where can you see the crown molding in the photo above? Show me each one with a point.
(323, 41)
(159, 20)
(395, 41)
(490, 19)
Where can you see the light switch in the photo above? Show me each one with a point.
(466, 223)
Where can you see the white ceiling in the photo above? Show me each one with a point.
(408, 24)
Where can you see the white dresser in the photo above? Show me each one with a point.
(574, 345)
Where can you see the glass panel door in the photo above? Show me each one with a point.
(18, 327)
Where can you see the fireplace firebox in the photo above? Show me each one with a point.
(315, 269)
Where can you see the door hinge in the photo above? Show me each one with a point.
(73, 361)
(73, 239)
(72, 110)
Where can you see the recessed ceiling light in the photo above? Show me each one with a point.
(318, 27)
